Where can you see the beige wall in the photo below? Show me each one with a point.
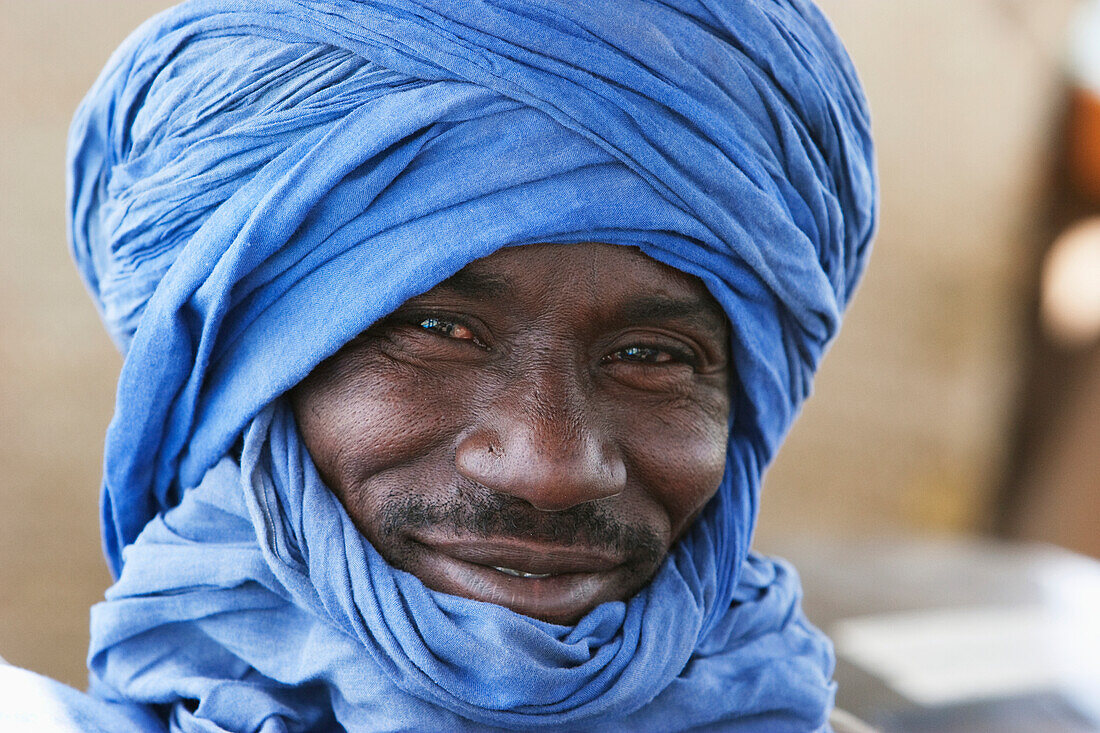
(906, 428)
(57, 366)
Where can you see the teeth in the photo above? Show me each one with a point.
(521, 574)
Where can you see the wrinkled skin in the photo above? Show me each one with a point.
(536, 431)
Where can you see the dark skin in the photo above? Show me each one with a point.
(536, 431)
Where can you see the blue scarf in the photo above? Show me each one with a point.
(254, 182)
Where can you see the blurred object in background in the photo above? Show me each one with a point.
(979, 636)
(1069, 306)
(1084, 77)
(1052, 490)
(1070, 286)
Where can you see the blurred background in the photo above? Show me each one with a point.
(951, 447)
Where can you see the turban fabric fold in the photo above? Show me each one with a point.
(253, 183)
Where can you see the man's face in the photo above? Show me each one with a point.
(534, 432)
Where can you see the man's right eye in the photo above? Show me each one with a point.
(450, 329)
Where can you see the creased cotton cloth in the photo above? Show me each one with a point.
(253, 183)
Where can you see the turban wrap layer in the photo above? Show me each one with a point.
(253, 183)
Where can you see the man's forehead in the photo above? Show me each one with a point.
(640, 287)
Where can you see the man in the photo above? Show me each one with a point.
(457, 338)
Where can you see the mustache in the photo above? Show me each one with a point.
(498, 515)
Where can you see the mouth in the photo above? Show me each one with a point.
(521, 574)
(549, 582)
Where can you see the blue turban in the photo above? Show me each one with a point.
(254, 182)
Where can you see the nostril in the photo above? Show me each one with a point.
(476, 457)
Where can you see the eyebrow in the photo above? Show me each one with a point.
(699, 312)
(477, 285)
(659, 308)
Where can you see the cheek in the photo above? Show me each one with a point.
(680, 460)
(360, 416)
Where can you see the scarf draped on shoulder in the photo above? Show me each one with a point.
(252, 183)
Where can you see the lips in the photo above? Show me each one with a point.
(549, 582)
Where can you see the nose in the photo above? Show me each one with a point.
(541, 441)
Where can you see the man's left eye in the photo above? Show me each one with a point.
(649, 355)
(450, 329)
(644, 354)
